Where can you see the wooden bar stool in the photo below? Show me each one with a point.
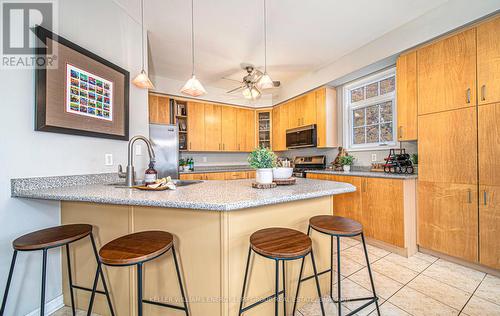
(279, 244)
(53, 237)
(136, 249)
(337, 226)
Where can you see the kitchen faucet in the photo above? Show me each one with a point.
(130, 173)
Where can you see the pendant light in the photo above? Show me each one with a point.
(142, 80)
(265, 82)
(193, 86)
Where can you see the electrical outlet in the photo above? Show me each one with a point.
(138, 150)
(108, 159)
(374, 157)
(204, 159)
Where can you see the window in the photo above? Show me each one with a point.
(369, 112)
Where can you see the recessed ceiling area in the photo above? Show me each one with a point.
(303, 36)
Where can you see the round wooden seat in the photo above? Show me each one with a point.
(280, 243)
(136, 248)
(335, 225)
(52, 237)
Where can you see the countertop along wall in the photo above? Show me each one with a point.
(26, 153)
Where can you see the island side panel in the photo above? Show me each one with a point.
(242, 223)
(197, 238)
(109, 222)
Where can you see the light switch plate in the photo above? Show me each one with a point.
(374, 157)
(108, 159)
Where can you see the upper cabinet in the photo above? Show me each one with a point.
(196, 126)
(326, 116)
(228, 128)
(447, 73)
(245, 129)
(213, 127)
(488, 61)
(159, 112)
(406, 77)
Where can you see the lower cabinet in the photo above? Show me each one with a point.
(218, 175)
(385, 207)
(489, 225)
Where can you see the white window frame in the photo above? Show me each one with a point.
(348, 130)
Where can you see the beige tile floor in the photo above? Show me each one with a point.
(419, 285)
(416, 286)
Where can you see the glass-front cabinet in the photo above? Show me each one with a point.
(264, 128)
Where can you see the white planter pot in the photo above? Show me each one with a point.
(346, 168)
(264, 176)
(282, 173)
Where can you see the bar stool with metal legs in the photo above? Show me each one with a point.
(49, 238)
(279, 244)
(337, 226)
(137, 249)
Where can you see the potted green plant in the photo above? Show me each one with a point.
(263, 160)
(346, 162)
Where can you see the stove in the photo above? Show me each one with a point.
(305, 163)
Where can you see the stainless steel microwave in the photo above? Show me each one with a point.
(300, 137)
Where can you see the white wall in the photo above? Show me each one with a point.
(26, 153)
(451, 15)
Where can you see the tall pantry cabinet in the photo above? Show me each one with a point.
(459, 144)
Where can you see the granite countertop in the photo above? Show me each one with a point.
(209, 169)
(364, 173)
(207, 195)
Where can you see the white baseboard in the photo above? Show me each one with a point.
(50, 307)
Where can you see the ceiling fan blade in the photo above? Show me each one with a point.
(236, 89)
(230, 79)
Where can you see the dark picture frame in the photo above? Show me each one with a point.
(41, 91)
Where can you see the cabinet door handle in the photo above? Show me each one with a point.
(190, 147)
(468, 95)
(400, 132)
(485, 197)
(483, 92)
(469, 196)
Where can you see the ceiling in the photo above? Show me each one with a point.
(303, 36)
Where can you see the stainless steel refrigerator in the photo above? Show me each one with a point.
(165, 140)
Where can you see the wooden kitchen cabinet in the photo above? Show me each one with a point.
(406, 77)
(447, 218)
(291, 108)
(447, 73)
(382, 213)
(308, 112)
(234, 175)
(159, 109)
(280, 125)
(245, 130)
(447, 147)
(228, 128)
(196, 126)
(385, 207)
(213, 127)
(489, 184)
(488, 61)
(326, 117)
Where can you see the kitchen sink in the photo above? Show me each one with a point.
(179, 183)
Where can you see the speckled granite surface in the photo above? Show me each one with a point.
(208, 195)
(40, 183)
(355, 173)
(208, 169)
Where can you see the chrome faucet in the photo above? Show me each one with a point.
(130, 173)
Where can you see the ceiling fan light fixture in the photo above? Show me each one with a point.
(251, 93)
(265, 82)
(142, 81)
(193, 87)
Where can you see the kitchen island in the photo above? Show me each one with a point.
(211, 223)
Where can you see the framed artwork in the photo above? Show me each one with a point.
(84, 95)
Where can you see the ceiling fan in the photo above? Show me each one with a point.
(250, 87)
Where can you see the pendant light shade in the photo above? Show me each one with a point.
(193, 86)
(142, 80)
(265, 82)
